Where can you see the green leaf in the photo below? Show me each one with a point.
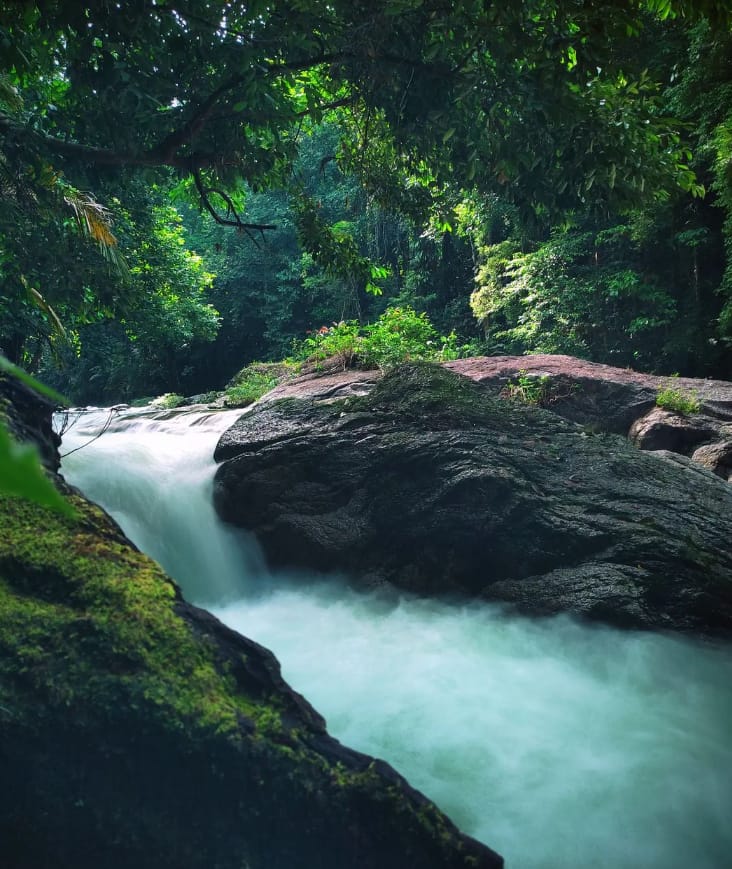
(21, 475)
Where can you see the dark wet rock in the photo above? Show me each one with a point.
(432, 485)
(138, 731)
(663, 429)
(28, 417)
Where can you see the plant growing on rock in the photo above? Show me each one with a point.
(249, 389)
(340, 342)
(403, 335)
(677, 401)
(539, 390)
(168, 401)
(529, 388)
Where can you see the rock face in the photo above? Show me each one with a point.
(432, 485)
(28, 417)
(717, 457)
(664, 430)
(607, 399)
(598, 396)
(138, 731)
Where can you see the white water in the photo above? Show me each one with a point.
(562, 746)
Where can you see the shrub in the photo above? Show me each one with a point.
(399, 335)
(677, 401)
(208, 397)
(529, 388)
(340, 342)
(249, 389)
(538, 389)
(275, 370)
(168, 401)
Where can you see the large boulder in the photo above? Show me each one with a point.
(599, 397)
(138, 731)
(717, 457)
(433, 485)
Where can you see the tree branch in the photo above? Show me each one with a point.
(205, 193)
(100, 156)
(165, 151)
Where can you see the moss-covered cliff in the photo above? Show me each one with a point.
(138, 731)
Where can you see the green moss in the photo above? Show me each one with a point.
(276, 371)
(91, 634)
(168, 401)
(84, 616)
(249, 390)
(255, 380)
(433, 394)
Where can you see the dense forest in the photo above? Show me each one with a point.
(192, 186)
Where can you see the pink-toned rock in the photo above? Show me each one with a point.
(717, 457)
(599, 396)
(662, 429)
(325, 385)
(503, 368)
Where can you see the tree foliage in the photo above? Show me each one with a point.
(162, 316)
(218, 92)
(393, 144)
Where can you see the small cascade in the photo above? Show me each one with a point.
(153, 472)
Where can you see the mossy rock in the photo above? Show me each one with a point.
(136, 730)
(277, 371)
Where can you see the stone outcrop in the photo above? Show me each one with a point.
(433, 485)
(325, 386)
(138, 731)
(662, 429)
(598, 396)
(717, 457)
(28, 417)
(618, 400)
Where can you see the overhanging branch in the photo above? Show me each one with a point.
(232, 218)
(99, 156)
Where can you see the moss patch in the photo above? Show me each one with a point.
(121, 708)
(438, 396)
(85, 617)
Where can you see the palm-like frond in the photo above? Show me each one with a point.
(94, 221)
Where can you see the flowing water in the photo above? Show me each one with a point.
(561, 745)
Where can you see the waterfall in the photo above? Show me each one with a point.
(558, 744)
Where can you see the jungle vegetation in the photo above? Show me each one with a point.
(191, 185)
